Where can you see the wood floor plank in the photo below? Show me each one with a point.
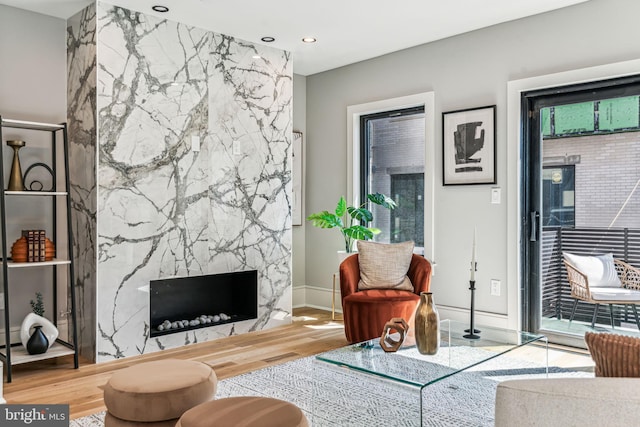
(55, 381)
(312, 332)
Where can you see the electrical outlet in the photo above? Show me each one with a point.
(495, 288)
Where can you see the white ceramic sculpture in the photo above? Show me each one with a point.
(31, 320)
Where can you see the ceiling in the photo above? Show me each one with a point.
(347, 31)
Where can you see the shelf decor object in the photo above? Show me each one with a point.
(38, 184)
(15, 178)
(28, 326)
(20, 250)
(469, 146)
(38, 342)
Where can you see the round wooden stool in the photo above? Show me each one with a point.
(157, 391)
(244, 412)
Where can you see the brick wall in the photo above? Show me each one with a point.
(608, 172)
(397, 146)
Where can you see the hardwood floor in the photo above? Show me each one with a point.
(312, 332)
(52, 382)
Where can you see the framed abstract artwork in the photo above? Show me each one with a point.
(469, 146)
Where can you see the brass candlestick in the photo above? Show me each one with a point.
(15, 178)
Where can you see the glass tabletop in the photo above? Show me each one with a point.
(408, 366)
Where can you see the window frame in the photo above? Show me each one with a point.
(353, 190)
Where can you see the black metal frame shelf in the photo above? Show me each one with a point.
(13, 353)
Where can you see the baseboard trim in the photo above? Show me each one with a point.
(298, 296)
(320, 298)
(481, 317)
(315, 297)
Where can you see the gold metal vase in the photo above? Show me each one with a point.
(15, 177)
(427, 325)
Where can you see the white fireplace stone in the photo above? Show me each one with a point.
(165, 209)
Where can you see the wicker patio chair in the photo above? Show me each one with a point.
(614, 355)
(627, 294)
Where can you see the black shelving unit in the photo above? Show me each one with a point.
(14, 353)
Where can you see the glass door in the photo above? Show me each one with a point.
(581, 194)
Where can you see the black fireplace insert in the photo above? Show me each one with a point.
(186, 303)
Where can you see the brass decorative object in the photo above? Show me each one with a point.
(427, 325)
(15, 178)
(387, 342)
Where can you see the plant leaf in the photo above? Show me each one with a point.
(342, 207)
(358, 232)
(325, 219)
(382, 200)
(374, 230)
(360, 214)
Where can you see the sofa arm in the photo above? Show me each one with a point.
(349, 275)
(568, 402)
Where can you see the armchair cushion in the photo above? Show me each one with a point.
(384, 266)
(599, 269)
(615, 294)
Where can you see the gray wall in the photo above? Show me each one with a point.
(470, 70)
(33, 72)
(32, 87)
(300, 124)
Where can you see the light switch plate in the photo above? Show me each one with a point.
(495, 195)
(195, 143)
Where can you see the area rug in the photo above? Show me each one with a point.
(334, 396)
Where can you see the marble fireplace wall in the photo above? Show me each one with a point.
(194, 172)
(81, 112)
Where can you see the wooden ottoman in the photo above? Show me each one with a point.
(244, 412)
(156, 392)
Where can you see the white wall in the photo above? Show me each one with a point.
(466, 71)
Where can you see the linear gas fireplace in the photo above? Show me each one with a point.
(185, 303)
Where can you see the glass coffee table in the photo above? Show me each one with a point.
(408, 373)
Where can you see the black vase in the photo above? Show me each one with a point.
(38, 342)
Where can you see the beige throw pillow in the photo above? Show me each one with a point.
(384, 266)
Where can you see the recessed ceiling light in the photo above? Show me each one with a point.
(159, 8)
(268, 39)
(256, 56)
(309, 39)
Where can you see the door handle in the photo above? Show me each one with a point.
(534, 219)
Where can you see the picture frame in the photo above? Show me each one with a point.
(296, 179)
(469, 146)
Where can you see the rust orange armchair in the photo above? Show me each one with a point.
(366, 312)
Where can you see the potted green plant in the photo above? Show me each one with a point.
(352, 221)
(37, 306)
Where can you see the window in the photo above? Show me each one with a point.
(558, 189)
(392, 162)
